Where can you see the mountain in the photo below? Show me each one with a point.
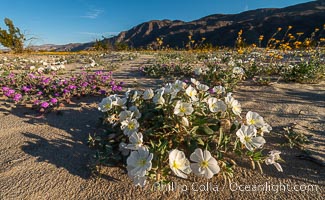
(219, 29)
(222, 29)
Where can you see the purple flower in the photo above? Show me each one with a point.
(114, 88)
(119, 88)
(84, 84)
(45, 104)
(72, 87)
(10, 92)
(65, 91)
(53, 100)
(17, 97)
(46, 81)
(25, 88)
(98, 73)
(56, 94)
(32, 76)
(39, 93)
(102, 92)
(5, 89)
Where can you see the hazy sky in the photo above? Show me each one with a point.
(65, 21)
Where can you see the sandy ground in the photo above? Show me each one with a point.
(48, 157)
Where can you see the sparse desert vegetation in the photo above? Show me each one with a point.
(199, 122)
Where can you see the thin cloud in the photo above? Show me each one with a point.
(93, 14)
(98, 34)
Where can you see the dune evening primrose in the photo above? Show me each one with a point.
(247, 136)
(218, 90)
(233, 104)
(179, 164)
(135, 140)
(205, 165)
(253, 118)
(105, 105)
(182, 109)
(148, 94)
(129, 126)
(139, 162)
(202, 87)
(191, 92)
(272, 158)
(216, 105)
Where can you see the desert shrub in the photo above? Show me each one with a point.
(12, 38)
(155, 132)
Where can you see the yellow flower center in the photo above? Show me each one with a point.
(142, 162)
(182, 109)
(204, 164)
(252, 121)
(108, 106)
(175, 165)
(131, 126)
(247, 139)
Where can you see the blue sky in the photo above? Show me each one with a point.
(65, 21)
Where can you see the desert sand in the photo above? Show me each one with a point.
(47, 157)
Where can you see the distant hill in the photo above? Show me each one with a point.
(222, 29)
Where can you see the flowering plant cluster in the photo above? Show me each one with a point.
(179, 129)
(49, 91)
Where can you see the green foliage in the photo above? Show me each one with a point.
(12, 38)
(305, 72)
(295, 139)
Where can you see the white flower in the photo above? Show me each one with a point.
(266, 128)
(119, 101)
(231, 63)
(106, 104)
(122, 148)
(32, 68)
(124, 115)
(238, 71)
(178, 86)
(216, 105)
(148, 94)
(182, 109)
(218, 89)
(135, 111)
(247, 136)
(233, 104)
(168, 88)
(205, 165)
(139, 162)
(129, 126)
(191, 92)
(139, 180)
(198, 71)
(272, 158)
(158, 98)
(179, 164)
(135, 140)
(185, 121)
(253, 118)
(135, 96)
(202, 87)
(194, 81)
(40, 70)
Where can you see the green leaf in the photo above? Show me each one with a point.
(207, 130)
(200, 141)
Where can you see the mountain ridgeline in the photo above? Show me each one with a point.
(222, 29)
